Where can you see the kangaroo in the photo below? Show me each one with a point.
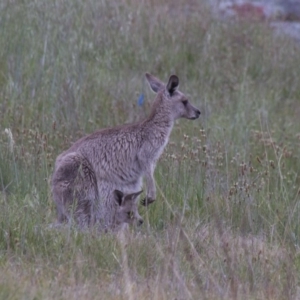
(118, 158)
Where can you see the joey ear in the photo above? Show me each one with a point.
(155, 84)
(133, 196)
(172, 84)
(118, 196)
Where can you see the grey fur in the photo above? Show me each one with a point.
(87, 174)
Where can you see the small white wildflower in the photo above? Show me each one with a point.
(10, 138)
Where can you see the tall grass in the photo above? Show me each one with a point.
(225, 224)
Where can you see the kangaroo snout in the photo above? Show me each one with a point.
(194, 114)
(140, 222)
(197, 114)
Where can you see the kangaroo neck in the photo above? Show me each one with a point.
(160, 120)
(160, 117)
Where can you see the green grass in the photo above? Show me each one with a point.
(226, 221)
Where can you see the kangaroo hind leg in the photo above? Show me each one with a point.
(74, 190)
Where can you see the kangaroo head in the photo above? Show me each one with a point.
(169, 99)
(127, 211)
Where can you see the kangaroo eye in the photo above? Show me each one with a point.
(185, 102)
(130, 214)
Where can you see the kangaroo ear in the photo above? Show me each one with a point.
(135, 195)
(118, 196)
(172, 84)
(155, 84)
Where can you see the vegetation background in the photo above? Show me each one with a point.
(226, 221)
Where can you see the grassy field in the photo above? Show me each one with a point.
(226, 221)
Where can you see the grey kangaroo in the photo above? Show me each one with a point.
(88, 173)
